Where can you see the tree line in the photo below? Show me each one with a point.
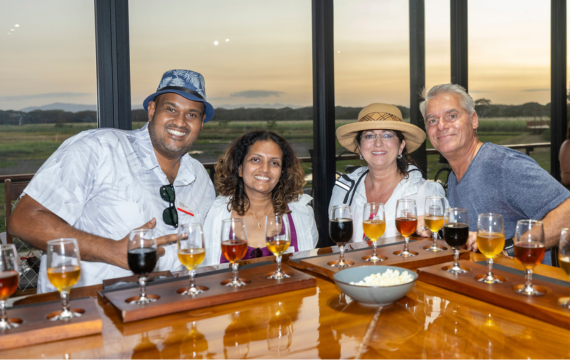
(483, 107)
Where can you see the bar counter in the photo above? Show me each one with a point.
(320, 322)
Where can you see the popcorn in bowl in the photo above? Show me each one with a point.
(388, 278)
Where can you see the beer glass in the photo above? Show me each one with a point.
(374, 225)
(433, 217)
(490, 242)
(191, 253)
(142, 257)
(9, 277)
(340, 231)
(455, 234)
(406, 223)
(564, 257)
(529, 251)
(234, 247)
(278, 239)
(63, 271)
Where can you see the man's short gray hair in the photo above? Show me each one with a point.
(465, 99)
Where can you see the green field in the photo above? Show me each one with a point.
(24, 148)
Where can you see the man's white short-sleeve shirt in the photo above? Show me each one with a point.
(106, 182)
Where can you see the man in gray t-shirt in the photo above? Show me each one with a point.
(488, 177)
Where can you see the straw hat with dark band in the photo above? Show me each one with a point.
(380, 117)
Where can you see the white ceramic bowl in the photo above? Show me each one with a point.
(372, 295)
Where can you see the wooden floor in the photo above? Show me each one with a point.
(320, 322)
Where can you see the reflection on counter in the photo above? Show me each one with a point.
(194, 344)
(279, 331)
(236, 338)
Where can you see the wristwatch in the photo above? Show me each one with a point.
(510, 247)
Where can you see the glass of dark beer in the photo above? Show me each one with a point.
(142, 257)
(529, 251)
(340, 230)
(455, 234)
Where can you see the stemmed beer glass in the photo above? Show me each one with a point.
(142, 257)
(278, 239)
(433, 217)
(456, 234)
(9, 277)
(490, 241)
(64, 270)
(564, 258)
(234, 247)
(191, 253)
(340, 231)
(529, 251)
(406, 223)
(374, 225)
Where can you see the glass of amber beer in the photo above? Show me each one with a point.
(234, 247)
(191, 253)
(490, 241)
(529, 251)
(64, 270)
(564, 259)
(9, 277)
(406, 223)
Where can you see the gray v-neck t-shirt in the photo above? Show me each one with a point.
(507, 182)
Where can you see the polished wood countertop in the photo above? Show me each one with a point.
(320, 322)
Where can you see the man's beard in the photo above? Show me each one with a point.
(168, 151)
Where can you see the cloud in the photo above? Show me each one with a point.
(41, 96)
(256, 93)
(533, 90)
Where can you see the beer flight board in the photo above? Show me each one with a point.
(170, 301)
(320, 264)
(35, 327)
(545, 308)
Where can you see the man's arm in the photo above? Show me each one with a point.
(554, 222)
(35, 224)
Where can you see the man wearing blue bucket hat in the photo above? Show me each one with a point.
(101, 184)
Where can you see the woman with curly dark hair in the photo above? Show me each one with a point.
(259, 175)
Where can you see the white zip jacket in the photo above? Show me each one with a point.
(302, 214)
(413, 187)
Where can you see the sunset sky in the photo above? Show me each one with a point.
(258, 52)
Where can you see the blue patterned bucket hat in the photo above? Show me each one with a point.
(189, 84)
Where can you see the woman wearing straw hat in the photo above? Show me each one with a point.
(384, 141)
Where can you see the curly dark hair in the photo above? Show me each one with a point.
(402, 162)
(229, 183)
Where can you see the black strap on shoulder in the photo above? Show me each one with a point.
(350, 185)
(355, 187)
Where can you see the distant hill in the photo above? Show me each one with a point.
(62, 106)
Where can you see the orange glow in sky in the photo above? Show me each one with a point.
(258, 52)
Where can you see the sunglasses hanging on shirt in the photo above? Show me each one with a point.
(169, 215)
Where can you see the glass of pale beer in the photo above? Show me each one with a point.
(490, 242)
(64, 270)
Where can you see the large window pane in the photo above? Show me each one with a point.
(48, 63)
(438, 63)
(253, 54)
(372, 58)
(509, 72)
